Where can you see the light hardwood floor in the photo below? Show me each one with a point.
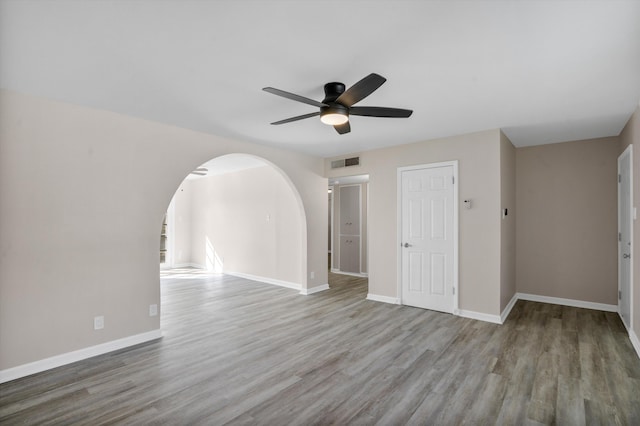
(241, 352)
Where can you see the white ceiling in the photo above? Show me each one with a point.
(543, 71)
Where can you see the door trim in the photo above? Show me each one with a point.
(628, 151)
(454, 164)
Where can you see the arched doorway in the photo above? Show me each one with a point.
(237, 214)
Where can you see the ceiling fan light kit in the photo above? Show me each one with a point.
(334, 115)
(337, 104)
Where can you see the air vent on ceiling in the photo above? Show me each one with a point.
(345, 162)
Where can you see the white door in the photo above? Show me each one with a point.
(427, 238)
(625, 217)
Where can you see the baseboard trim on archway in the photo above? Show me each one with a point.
(74, 356)
(281, 283)
(311, 290)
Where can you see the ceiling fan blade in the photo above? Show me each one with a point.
(343, 128)
(293, 97)
(299, 117)
(380, 112)
(361, 89)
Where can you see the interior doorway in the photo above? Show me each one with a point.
(428, 229)
(348, 225)
(239, 215)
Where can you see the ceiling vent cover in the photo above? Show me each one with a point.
(345, 162)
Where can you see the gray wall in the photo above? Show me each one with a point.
(567, 220)
(82, 197)
(479, 242)
(250, 219)
(508, 223)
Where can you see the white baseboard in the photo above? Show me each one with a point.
(508, 308)
(353, 274)
(634, 341)
(186, 265)
(70, 357)
(479, 316)
(266, 280)
(568, 302)
(316, 289)
(384, 299)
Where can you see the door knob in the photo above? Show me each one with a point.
(407, 245)
(626, 256)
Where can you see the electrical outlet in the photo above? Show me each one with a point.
(153, 310)
(98, 323)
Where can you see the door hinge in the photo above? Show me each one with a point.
(453, 180)
(619, 236)
(619, 178)
(454, 290)
(619, 295)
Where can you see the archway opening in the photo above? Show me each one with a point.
(237, 214)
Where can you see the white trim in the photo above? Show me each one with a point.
(568, 302)
(383, 299)
(265, 280)
(366, 272)
(79, 355)
(187, 265)
(508, 308)
(331, 220)
(352, 274)
(316, 289)
(628, 151)
(635, 342)
(454, 164)
(479, 316)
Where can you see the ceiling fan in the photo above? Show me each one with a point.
(337, 105)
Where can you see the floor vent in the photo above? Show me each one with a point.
(345, 162)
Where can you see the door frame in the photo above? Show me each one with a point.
(627, 152)
(456, 296)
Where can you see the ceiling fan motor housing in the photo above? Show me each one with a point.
(332, 91)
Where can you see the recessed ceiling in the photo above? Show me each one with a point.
(543, 71)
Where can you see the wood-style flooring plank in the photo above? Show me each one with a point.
(241, 352)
